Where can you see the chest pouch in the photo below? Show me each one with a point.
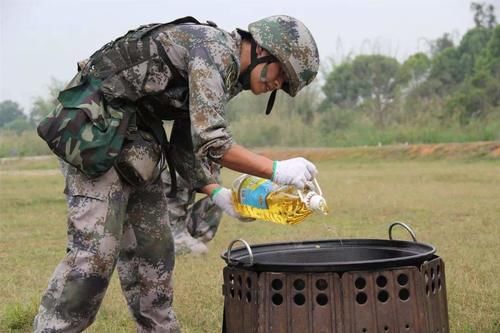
(141, 161)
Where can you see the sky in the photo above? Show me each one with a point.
(41, 40)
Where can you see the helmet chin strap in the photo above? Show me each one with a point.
(270, 102)
(244, 77)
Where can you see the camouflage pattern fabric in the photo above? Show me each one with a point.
(112, 224)
(82, 130)
(171, 70)
(139, 162)
(293, 45)
(193, 224)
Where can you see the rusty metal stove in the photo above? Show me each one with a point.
(337, 286)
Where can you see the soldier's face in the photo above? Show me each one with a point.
(266, 77)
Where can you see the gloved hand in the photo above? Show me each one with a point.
(222, 197)
(295, 171)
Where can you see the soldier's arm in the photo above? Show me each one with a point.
(207, 70)
(240, 159)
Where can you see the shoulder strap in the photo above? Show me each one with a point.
(137, 34)
(190, 19)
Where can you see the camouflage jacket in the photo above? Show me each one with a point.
(204, 78)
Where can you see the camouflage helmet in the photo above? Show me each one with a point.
(288, 39)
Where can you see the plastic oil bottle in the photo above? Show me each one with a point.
(262, 199)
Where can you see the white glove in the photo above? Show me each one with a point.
(223, 198)
(295, 171)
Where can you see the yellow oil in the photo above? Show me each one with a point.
(284, 207)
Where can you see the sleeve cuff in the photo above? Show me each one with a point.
(215, 191)
(273, 176)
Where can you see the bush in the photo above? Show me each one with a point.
(26, 143)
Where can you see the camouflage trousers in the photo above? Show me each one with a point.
(193, 223)
(111, 224)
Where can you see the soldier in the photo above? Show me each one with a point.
(182, 70)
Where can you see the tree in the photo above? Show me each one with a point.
(484, 15)
(471, 46)
(10, 111)
(44, 105)
(489, 59)
(340, 87)
(441, 44)
(481, 91)
(446, 71)
(370, 81)
(18, 125)
(414, 70)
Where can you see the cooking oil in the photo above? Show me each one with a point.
(262, 199)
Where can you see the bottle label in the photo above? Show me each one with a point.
(254, 191)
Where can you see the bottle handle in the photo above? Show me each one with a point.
(317, 190)
(315, 182)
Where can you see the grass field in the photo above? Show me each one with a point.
(453, 204)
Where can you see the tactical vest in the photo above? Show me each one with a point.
(130, 50)
(133, 49)
(89, 127)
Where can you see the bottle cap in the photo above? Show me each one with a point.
(317, 202)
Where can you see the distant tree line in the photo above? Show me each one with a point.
(12, 117)
(453, 86)
(464, 77)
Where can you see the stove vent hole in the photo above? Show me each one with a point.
(277, 299)
(402, 279)
(277, 284)
(299, 299)
(322, 299)
(383, 296)
(404, 294)
(360, 283)
(381, 281)
(299, 284)
(361, 298)
(321, 284)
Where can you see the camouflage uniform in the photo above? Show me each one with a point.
(184, 72)
(111, 223)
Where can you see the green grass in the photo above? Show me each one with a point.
(452, 204)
